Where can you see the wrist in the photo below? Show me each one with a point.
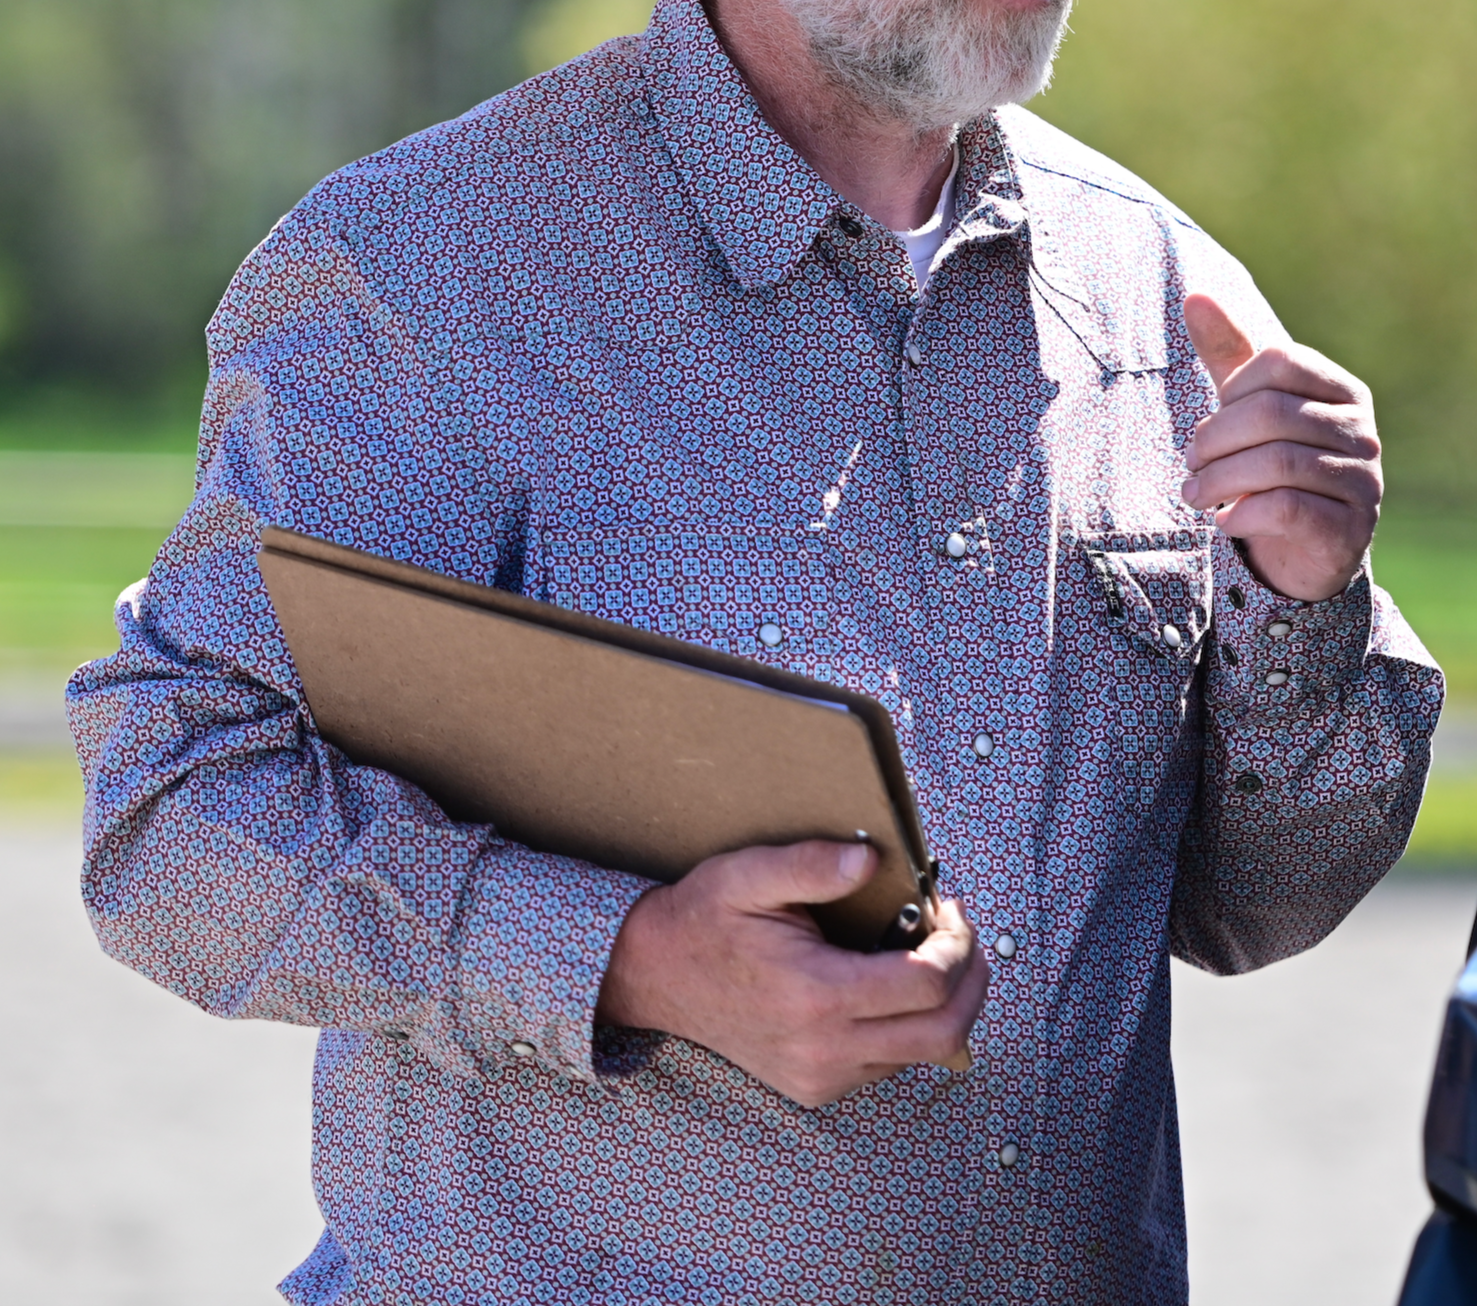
(626, 992)
(1272, 653)
(1290, 574)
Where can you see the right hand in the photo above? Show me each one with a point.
(729, 958)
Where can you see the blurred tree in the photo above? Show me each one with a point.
(146, 145)
(1332, 146)
(557, 30)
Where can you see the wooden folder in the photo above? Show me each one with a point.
(586, 737)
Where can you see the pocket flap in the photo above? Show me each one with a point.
(1156, 588)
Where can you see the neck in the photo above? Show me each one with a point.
(886, 168)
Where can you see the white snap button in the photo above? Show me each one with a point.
(956, 545)
(1009, 1155)
(915, 355)
(1277, 678)
(521, 1049)
(1280, 629)
(984, 745)
(770, 635)
(1005, 947)
(1171, 636)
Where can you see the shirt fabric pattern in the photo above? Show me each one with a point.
(608, 341)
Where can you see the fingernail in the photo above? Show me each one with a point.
(1190, 490)
(853, 862)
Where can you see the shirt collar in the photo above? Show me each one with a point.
(990, 202)
(761, 201)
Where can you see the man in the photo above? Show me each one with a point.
(767, 330)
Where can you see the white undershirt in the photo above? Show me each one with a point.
(924, 243)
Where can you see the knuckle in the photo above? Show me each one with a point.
(1364, 441)
(1349, 431)
(1357, 479)
(1282, 360)
(1276, 507)
(1292, 506)
(935, 987)
(1266, 407)
(1287, 460)
(1302, 364)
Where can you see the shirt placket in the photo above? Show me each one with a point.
(963, 421)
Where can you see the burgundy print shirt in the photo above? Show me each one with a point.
(607, 341)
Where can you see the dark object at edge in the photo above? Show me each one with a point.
(1443, 1267)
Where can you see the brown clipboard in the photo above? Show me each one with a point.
(575, 735)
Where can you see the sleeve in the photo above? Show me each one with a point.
(231, 855)
(1318, 722)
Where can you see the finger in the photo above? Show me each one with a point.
(1326, 528)
(1283, 464)
(1296, 370)
(935, 1035)
(772, 879)
(952, 940)
(1222, 345)
(817, 1087)
(1270, 415)
(901, 983)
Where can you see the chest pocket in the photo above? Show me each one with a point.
(1154, 592)
(765, 596)
(1155, 589)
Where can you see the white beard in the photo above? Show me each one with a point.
(932, 63)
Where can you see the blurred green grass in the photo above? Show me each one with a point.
(69, 458)
(93, 488)
(57, 587)
(1428, 562)
(39, 787)
(1445, 835)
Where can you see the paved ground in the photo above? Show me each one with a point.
(1302, 1090)
(31, 711)
(151, 1156)
(154, 1157)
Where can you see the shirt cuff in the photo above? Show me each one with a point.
(537, 939)
(1271, 654)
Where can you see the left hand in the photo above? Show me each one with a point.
(1291, 460)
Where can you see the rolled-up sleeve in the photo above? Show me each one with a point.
(234, 857)
(1318, 721)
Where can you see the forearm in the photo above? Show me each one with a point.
(1311, 784)
(236, 859)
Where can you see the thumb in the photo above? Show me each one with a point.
(1221, 344)
(771, 879)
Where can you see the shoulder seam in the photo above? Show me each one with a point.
(1098, 183)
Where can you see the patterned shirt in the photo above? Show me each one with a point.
(609, 342)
